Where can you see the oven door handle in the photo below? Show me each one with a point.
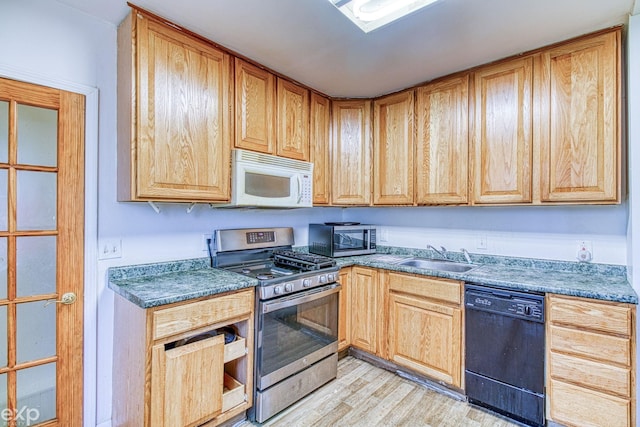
(268, 307)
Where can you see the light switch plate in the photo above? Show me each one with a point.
(109, 248)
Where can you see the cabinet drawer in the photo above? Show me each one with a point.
(576, 406)
(592, 345)
(440, 289)
(183, 318)
(605, 317)
(235, 349)
(596, 375)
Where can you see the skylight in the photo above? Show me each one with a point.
(372, 14)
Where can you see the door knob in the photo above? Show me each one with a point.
(67, 299)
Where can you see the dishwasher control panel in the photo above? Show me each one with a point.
(506, 302)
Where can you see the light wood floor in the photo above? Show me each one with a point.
(364, 395)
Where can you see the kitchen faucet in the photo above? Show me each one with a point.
(442, 252)
(466, 255)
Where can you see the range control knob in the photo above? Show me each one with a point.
(288, 287)
(527, 310)
(323, 279)
(331, 277)
(306, 283)
(277, 290)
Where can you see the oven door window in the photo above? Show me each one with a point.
(295, 336)
(349, 240)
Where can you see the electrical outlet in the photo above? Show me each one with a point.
(205, 242)
(109, 249)
(384, 235)
(585, 251)
(481, 242)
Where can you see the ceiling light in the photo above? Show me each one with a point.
(372, 14)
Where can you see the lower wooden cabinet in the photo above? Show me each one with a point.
(425, 326)
(344, 322)
(590, 362)
(171, 367)
(367, 302)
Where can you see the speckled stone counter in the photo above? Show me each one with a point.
(599, 281)
(152, 285)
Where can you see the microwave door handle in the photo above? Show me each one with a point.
(299, 189)
(366, 239)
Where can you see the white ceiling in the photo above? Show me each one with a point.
(312, 42)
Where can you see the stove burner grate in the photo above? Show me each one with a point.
(303, 261)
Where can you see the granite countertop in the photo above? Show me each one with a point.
(152, 285)
(598, 281)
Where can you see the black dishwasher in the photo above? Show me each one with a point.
(504, 362)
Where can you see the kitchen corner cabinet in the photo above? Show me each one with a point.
(501, 132)
(425, 326)
(351, 152)
(293, 121)
(319, 128)
(442, 143)
(591, 357)
(393, 150)
(367, 301)
(174, 115)
(344, 312)
(255, 108)
(579, 125)
(170, 369)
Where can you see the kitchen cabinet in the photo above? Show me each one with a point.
(393, 150)
(320, 111)
(174, 114)
(293, 121)
(579, 127)
(442, 143)
(255, 108)
(591, 356)
(351, 152)
(367, 302)
(425, 326)
(170, 369)
(501, 132)
(344, 312)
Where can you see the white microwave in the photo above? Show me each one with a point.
(263, 180)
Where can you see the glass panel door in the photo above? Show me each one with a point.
(41, 183)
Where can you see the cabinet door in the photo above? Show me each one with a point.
(344, 310)
(393, 153)
(255, 108)
(183, 127)
(580, 121)
(351, 152)
(425, 337)
(442, 145)
(320, 147)
(187, 382)
(501, 142)
(364, 304)
(293, 121)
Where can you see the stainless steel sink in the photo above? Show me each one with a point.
(437, 264)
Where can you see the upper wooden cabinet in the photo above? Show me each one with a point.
(320, 146)
(174, 114)
(579, 126)
(293, 121)
(393, 135)
(501, 132)
(255, 108)
(442, 144)
(351, 152)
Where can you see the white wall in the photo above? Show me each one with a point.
(546, 232)
(49, 39)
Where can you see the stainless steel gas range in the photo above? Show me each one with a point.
(296, 314)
